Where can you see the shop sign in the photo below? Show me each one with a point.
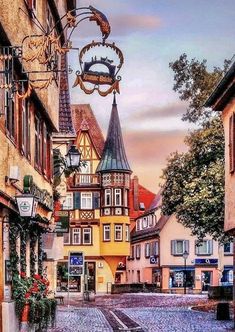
(62, 221)
(153, 260)
(43, 196)
(206, 261)
(76, 262)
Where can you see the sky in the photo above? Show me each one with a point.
(152, 33)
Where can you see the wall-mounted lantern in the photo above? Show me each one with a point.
(73, 157)
(27, 205)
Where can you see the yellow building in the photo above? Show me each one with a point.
(97, 197)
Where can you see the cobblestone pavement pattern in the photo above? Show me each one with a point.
(170, 318)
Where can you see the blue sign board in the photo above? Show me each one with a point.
(76, 262)
(211, 261)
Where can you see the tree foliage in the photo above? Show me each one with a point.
(194, 83)
(194, 181)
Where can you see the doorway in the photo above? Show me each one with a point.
(90, 279)
(206, 280)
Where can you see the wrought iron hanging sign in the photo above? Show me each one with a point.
(107, 77)
(38, 57)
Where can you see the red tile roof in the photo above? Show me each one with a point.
(84, 119)
(143, 196)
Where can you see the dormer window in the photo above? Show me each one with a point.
(145, 222)
(142, 206)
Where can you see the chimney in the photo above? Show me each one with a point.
(136, 193)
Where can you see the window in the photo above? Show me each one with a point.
(145, 222)
(86, 200)
(118, 197)
(106, 232)
(10, 114)
(46, 151)
(133, 252)
(138, 225)
(76, 235)
(66, 238)
(107, 197)
(85, 176)
(231, 143)
(150, 220)
(137, 251)
(38, 143)
(118, 232)
(228, 248)
(178, 247)
(147, 250)
(127, 233)
(68, 203)
(154, 248)
(24, 134)
(87, 236)
(205, 248)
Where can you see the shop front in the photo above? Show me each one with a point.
(62, 279)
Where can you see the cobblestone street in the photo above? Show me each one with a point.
(168, 313)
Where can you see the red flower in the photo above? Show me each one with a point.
(23, 274)
(27, 295)
(37, 277)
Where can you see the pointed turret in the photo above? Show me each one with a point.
(114, 156)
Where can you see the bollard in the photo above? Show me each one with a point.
(222, 312)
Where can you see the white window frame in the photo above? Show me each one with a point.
(75, 232)
(209, 248)
(147, 249)
(230, 252)
(138, 224)
(138, 251)
(107, 228)
(127, 233)
(145, 222)
(118, 228)
(86, 230)
(68, 202)
(184, 247)
(86, 201)
(118, 197)
(107, 193)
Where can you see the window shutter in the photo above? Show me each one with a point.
(196, 248)
(173, 247)
(96, 200)
(210, 244)
(77, 200)
(28, 131)
(231, 143)
(187, 245)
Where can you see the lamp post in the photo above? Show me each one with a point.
(185, 256)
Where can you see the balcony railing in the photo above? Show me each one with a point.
(83, 180)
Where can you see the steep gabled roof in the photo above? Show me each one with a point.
(84, 119)
(142, 195)
(65, 117)
(114, 156)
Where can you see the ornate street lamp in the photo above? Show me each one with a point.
(185, 256)
(73, 157)
(27, 205)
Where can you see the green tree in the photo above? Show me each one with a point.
(194, 181)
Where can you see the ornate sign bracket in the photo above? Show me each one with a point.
(36, 63)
